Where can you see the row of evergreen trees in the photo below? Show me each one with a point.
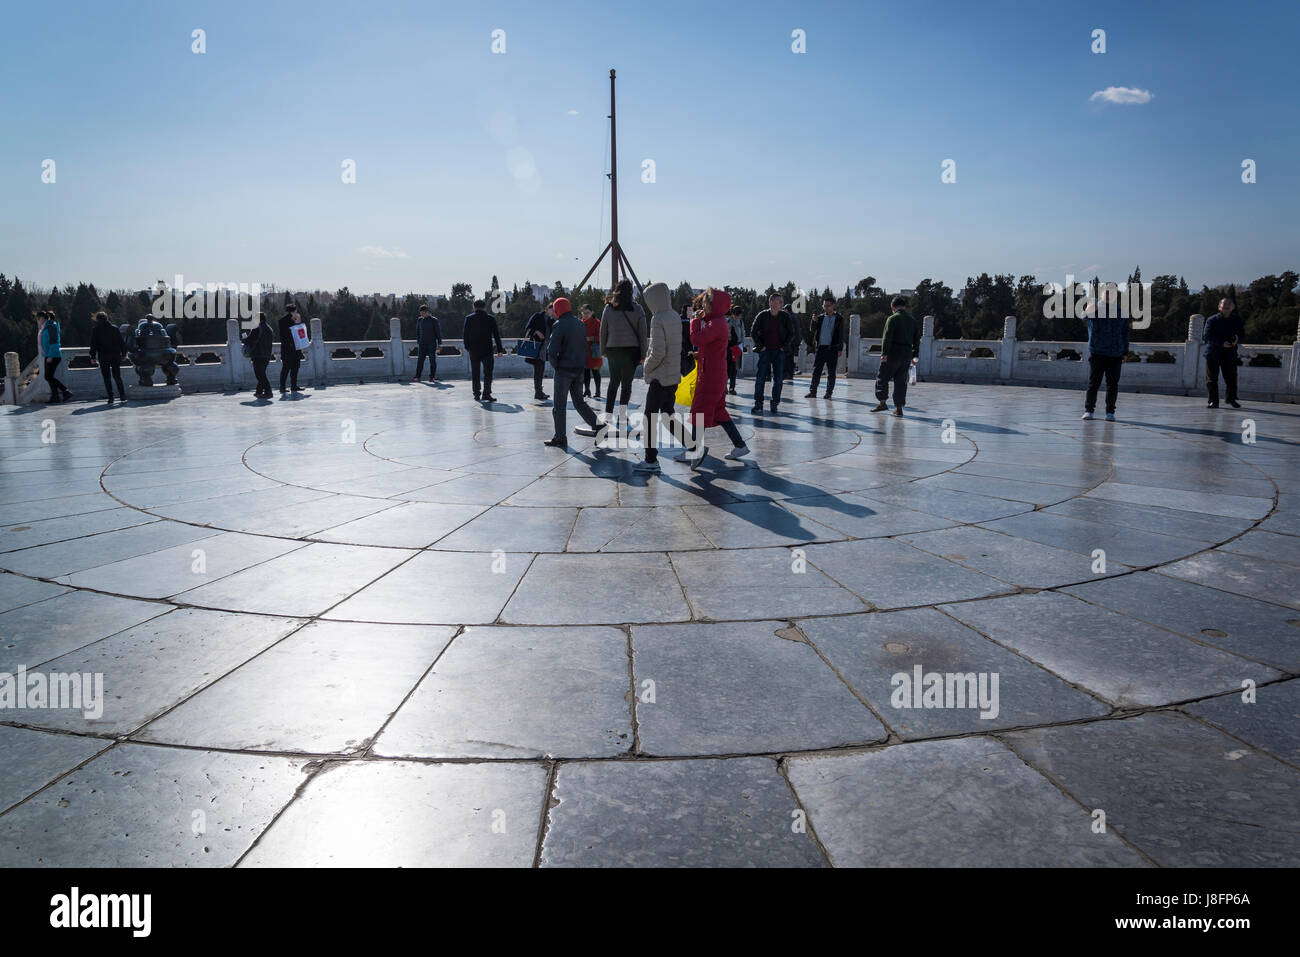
(1268, 305)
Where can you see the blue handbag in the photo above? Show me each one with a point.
(529, 348)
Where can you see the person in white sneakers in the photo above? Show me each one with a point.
(663, 370)
(709, 335)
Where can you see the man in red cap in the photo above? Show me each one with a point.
(567, 352)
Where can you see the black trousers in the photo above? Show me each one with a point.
(263, 383)
(112, 371)
(290, 363)
(1098, 366)
(828, 357)
(660, 402)
(539, 374)
(481, 362)
(587, 376)
(56, 387)
(623, 361)
(733, 370)
(432, 354)
(568, 387)
(894, 369)
(1228, 366)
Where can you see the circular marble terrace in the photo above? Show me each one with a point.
(395, 573)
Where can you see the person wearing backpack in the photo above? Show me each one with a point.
(107, 349)
(290, 354)
(623, 343)
(259, 347)
(52, 355)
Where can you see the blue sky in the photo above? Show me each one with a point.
(821, 167)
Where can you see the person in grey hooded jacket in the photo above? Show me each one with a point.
(663, 369)
(567, 351)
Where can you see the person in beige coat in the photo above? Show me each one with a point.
(663, 369)
(623, 343)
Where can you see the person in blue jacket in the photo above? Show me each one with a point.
(1223, 331)
(1108, 342)
(53, 355)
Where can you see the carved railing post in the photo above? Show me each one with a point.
(1007, 354)
(926, 361)
(1192, 352)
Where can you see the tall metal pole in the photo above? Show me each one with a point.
(618, 259)
(613, 186)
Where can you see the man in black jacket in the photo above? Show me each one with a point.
(107, 348)
(773, 331)
(539, 330)
(290, 356)
(1223, 331)
(260, 342)
(428, 337)
(568, 354)
(480, 334)
(827, 340)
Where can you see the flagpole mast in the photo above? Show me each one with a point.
(613, 186)
(618, 259)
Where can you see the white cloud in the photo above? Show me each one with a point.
(379, 252)
(573, 112)
(1122, 94)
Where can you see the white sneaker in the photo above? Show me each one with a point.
(643, 466)
(738, 453)
(586, 430)
(1086, 415)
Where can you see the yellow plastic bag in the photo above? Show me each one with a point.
(686, 389)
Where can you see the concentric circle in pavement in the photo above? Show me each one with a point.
(402, 595)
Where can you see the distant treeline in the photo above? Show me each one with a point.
(1268, 305)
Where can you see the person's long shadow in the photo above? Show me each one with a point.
(1232, 435)
(508, 408)
(101, 407)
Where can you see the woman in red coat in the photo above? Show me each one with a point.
(596, 360)
(709, 336)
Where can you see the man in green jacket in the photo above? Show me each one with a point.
(900, 344)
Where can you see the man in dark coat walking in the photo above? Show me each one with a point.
(1223, 331)
(428, 337)
(108, 348)
(480, 334)
(567, 351)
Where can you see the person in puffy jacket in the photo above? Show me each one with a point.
(663, 370)
(709, 335)
(567, 350)
(52, 355)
